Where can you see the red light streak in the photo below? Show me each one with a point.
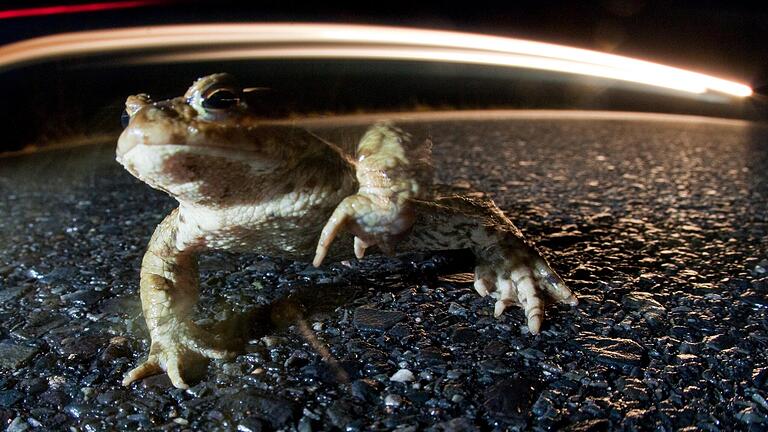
(67, 9)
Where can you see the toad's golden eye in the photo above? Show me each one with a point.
(220, 99)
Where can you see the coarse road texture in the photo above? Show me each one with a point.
(659, 223)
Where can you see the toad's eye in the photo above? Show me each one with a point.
(220, 99)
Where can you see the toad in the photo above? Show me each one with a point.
(247, 183)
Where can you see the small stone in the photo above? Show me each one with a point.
(510, 397)
(532, 354)
(55, 397)
(563, 238)
(633, 389)
(11, 294)
(297, 359)
(277, 411)
(651, 310)
(403, 375)
(75, 410)
(590, 426)
(393, 400)
(109, 397)
(456, 309)
(12, 355)
(118, 347)
(760, 400)
(543, 405)
(250, 425)
(157, 383)
(85, 297)
(750, 416)
(718, 342)
(760, 377)
(82, 346)
(344, 415)
(17, 425)
(365, 389)
(612, 351)
(9, 397)
(496, 349)
(369, 319)
(453, 374)
(400, 330)
(272, 341)
(754, 299)
(464, 335)
(35, 385)
(460, 424)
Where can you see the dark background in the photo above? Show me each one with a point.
(48, 103)
(726, 39)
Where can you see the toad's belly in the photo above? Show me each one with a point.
(285, 231)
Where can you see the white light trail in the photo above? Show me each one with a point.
(178, 43)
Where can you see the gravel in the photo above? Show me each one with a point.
(657, 222)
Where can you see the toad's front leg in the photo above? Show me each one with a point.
(169, 292)
(391, 170)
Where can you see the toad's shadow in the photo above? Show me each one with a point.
(373, 275)
(293, 310)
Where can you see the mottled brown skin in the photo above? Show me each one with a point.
(246, 184)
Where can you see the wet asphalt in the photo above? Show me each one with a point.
(658, 223)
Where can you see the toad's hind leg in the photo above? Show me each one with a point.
(169, 292)
(508, 268)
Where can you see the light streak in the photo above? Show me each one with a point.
(179, 43)
(75, 8)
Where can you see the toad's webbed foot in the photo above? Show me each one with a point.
(507, 267)
(515, 274)
(176, 348)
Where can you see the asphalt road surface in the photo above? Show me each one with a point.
(658, 223)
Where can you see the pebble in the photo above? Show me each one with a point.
(250, 425)
(12, 356)
(9, 398)
(612, 351)
(365, 389)
(278, 412)
(651, 310)
(464, 335)
(17, 425)
(718, 342)
(456, 309)
(751, 416)
(403, 375)
(460, 424)
(510, 397)
(369, 319)
(393, 400)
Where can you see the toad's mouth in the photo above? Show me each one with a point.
(152, 163)
(126, 146)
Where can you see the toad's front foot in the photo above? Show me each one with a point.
(373, 221)
(515, 274)
(175, 348)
